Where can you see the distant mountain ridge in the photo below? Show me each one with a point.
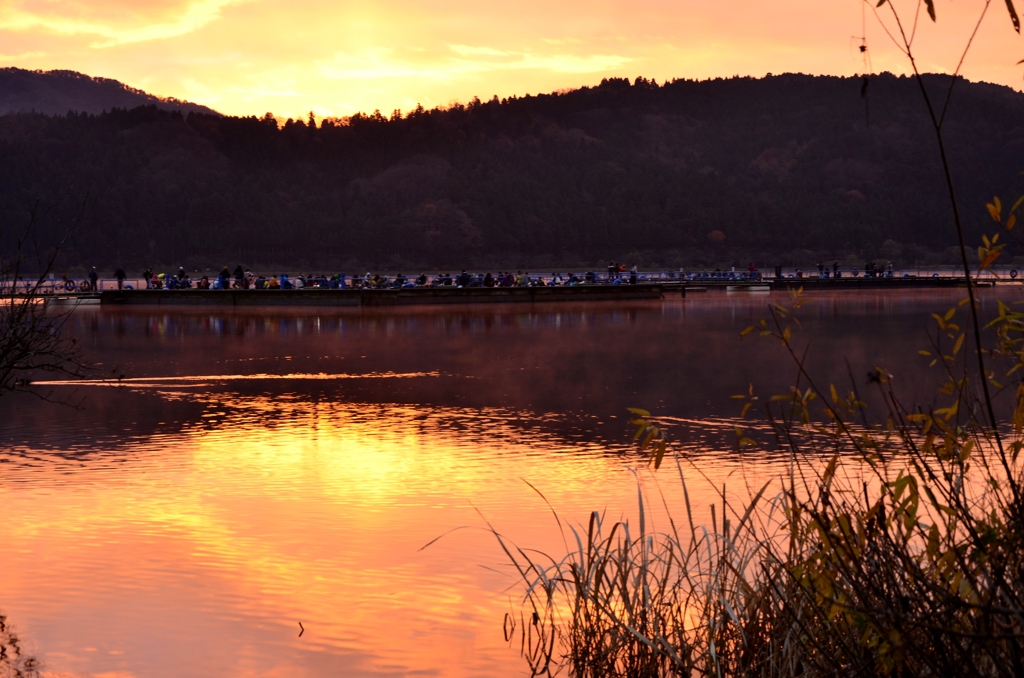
(57, 92)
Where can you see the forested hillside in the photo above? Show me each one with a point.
(784, 169)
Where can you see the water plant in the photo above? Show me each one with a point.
(894, 546)
(14, 663)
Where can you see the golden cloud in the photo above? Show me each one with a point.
(113, 23)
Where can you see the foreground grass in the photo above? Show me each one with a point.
(909, 561)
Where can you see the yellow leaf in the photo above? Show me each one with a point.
(991, 256)
(933, 541)
(830, 470)
(659, 453)
(959, 344)
(995, 211)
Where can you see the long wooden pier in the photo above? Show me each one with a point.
(473, 295)
(370, 297)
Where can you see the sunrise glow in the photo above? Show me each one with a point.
(247, 57)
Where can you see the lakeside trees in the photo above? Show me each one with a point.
(778, 169)
(33, 341)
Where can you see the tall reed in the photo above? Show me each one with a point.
(889, 549)
(914, 566)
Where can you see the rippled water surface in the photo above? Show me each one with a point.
(250, 471)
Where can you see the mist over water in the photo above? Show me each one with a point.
(257, 469)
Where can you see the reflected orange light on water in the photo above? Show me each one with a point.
(259, 469)
(217, 543)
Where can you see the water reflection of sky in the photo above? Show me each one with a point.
(258, 469)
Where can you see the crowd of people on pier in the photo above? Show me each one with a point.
(242, 278)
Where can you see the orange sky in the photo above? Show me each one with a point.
(338, 56)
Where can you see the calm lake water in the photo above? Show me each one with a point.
(259, 469)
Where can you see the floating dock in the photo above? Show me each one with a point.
(405, 296)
